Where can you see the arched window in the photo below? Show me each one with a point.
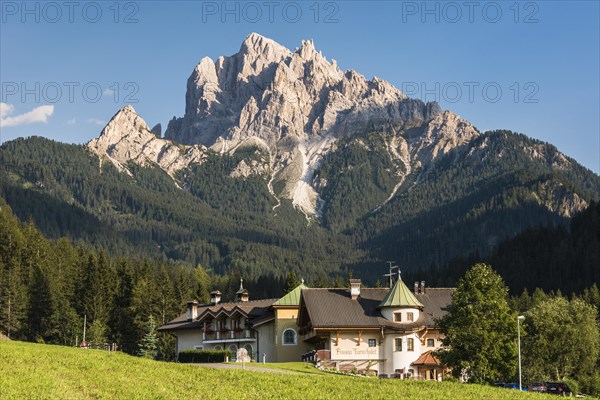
(289, 337)
(248, 348)
(233, 349)
(217, 347)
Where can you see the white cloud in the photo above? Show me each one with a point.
(96, 121)
(38, 114)
(72, 121)
(108, 92)
(6, 109)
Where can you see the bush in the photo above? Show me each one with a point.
(204, 356)
(573, 385)
(590, 385)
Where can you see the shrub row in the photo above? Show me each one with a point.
(204, 356)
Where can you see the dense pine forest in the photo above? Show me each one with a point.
(467, 202)
(550, 258)
(48, 286)
(222, 223)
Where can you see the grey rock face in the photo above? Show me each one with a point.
(157, 130)
(269, 92)
(295, 105)
(127, 137)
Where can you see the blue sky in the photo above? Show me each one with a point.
(530, 66)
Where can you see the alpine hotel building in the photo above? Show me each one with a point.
(366, 330)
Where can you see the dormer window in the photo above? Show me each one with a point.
(409, 316)
(397, 317)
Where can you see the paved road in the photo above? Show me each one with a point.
(247, 367)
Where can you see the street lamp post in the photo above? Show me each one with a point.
(519, 319)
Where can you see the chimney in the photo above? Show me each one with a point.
(192, 310)
(416, 288)
(215, 297)
(423, 287)
(354, 288)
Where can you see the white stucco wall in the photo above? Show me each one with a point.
(402, 359)
(348, 348)
(437, 340)
(266, 342)
(186, 340)
(388, 313)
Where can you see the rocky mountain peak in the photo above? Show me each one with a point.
(256, 45)
(126, 119)
(126, 123)
(127, 138)
(296, 105)
(292, 95)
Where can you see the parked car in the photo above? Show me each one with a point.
(514, 386)
(559, 388)
(537, 387)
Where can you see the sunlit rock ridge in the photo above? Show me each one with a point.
(293, 105)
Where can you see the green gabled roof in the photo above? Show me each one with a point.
(292, 298)
(400, 296)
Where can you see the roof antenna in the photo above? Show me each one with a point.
(391, 273)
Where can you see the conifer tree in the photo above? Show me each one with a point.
(480, 329)
(291, 282)
(13, 290)
(149, 343)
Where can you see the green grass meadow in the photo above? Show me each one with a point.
(36, 371)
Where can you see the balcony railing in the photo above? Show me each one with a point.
(228, 335)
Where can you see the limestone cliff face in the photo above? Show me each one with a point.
(269, 92)
(127, 138)
(295, 106)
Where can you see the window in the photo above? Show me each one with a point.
(289, 337)
(248, 348)
(430, 343)
(398, 344)
(410, 344)
(233, 349)
(198, 347)
(372, 342)
(409, 316)
(397, 317)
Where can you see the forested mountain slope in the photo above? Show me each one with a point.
(226, 223)
(282, 161)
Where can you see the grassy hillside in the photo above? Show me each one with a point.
(35, 371)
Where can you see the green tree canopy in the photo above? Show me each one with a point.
(291, 282)
(480, 328)
(562, 340)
